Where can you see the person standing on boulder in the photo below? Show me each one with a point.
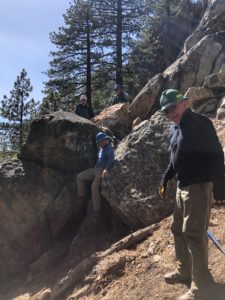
(121, 96)
(197, 161)
(83, 109)
(105, 160)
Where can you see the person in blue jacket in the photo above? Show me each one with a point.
(105, 160)
(197, 162)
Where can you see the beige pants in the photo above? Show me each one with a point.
(94, 175)
(189, 227)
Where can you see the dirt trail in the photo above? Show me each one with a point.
(134, 273)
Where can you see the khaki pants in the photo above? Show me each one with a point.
(94, 175)
(189, 227)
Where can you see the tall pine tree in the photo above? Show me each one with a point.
(124, 21)
(79, 48)
(18, 109)
(93, 46)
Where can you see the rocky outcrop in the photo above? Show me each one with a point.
(213, 21)
(114, 118)
(38, 193)
(132, 188)
(203, 55)
(190, 70)
(143, 103)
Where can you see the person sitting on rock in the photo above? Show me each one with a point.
(83, 109)
(105, 160)
(120, 96)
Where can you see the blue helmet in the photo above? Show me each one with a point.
(100, 137)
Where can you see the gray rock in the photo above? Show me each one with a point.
(213, 21)
(215, 81)
(62, 141)
(220, 113)
(38, 193)
(132, 188)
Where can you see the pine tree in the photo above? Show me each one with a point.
(79, 48)
(18, 109)
(93, 46)
(50, 103)
(125, 20)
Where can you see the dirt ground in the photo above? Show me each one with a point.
(133, 273)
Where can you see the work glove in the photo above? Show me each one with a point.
(162, 191)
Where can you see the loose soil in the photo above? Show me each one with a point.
(133, 273)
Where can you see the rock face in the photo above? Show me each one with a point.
(132, 189)
(35, 204)
(213, 21)
(38, 193)
(202, 55)
(142, 104)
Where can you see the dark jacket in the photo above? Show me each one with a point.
(84, 111)
(121, 98)
(196, 153)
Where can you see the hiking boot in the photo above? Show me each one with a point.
(176, 276)
(190, 295)
(207, 293)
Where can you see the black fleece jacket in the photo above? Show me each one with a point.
(196, 153)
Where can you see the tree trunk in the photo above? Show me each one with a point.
(88, 75)
(119, 76)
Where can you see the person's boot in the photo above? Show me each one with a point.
(177, 277)
(207, 292)
(191, 294)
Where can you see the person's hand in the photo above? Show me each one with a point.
(162, 192)
(105, 173)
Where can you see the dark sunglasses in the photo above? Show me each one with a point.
(172, 108)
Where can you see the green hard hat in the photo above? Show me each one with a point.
(170, 97)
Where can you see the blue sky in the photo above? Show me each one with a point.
(24, 40)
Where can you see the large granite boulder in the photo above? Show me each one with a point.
(38, 197)
(143, 103)
(114, 118)
(132, 188)
(62, 141)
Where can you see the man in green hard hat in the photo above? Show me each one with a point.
(197, 162)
